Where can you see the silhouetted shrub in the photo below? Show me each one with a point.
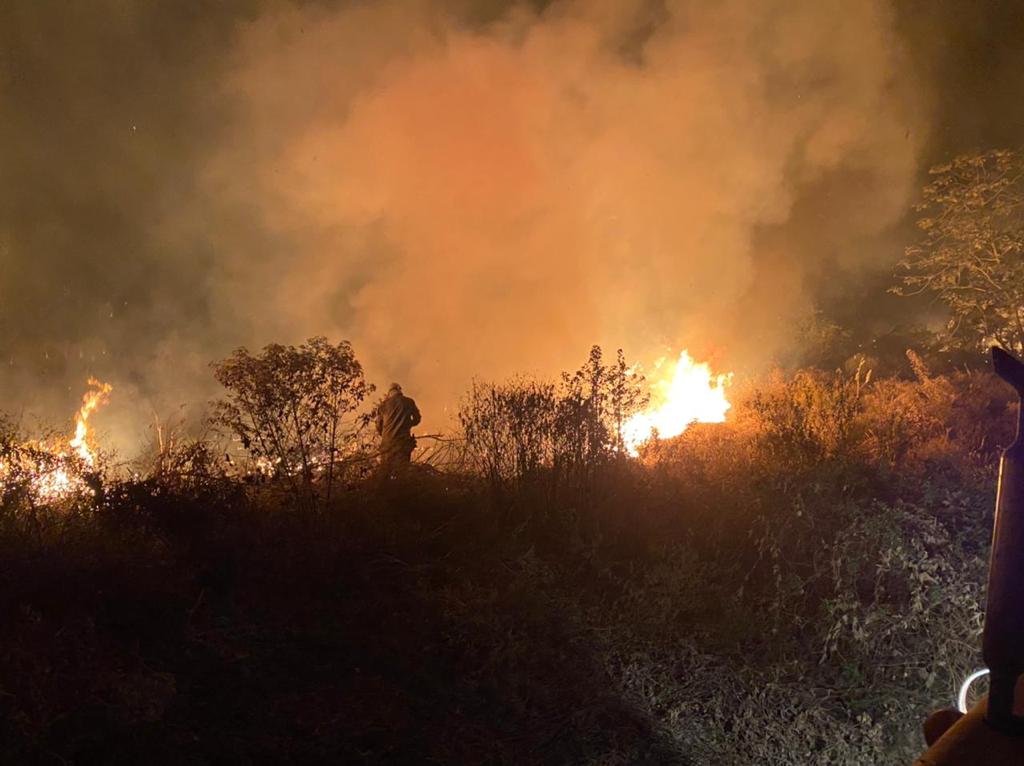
(292, 408)
(516, 430)
(508, 428)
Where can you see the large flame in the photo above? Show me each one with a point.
(682, 393)
(54, 472)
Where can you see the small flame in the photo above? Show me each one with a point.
(684, 392)
(90, 401)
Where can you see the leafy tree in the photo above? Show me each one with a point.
(291, 407)
(971, 254)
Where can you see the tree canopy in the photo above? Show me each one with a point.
(971, 252)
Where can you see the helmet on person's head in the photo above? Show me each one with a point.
(395, 389)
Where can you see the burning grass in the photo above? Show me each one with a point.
(684, 392)
(53, 470)
(798, 584)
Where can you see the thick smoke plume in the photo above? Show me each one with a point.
(470, 189)
(466, 200)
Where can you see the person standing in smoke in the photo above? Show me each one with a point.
(396, 416)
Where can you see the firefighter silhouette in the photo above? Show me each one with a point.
(396, 416)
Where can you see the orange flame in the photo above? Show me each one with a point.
(90, 401)
(683, 393)
(57, 477)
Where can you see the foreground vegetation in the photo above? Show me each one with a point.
(799, 585)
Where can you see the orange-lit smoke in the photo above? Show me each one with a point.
(466, 199)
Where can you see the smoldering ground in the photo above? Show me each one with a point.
(459, 188)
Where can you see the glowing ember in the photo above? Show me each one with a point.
(682, 393)
(55, 483)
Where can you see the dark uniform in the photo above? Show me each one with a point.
(396, 416)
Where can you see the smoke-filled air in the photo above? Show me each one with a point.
(460, 189)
